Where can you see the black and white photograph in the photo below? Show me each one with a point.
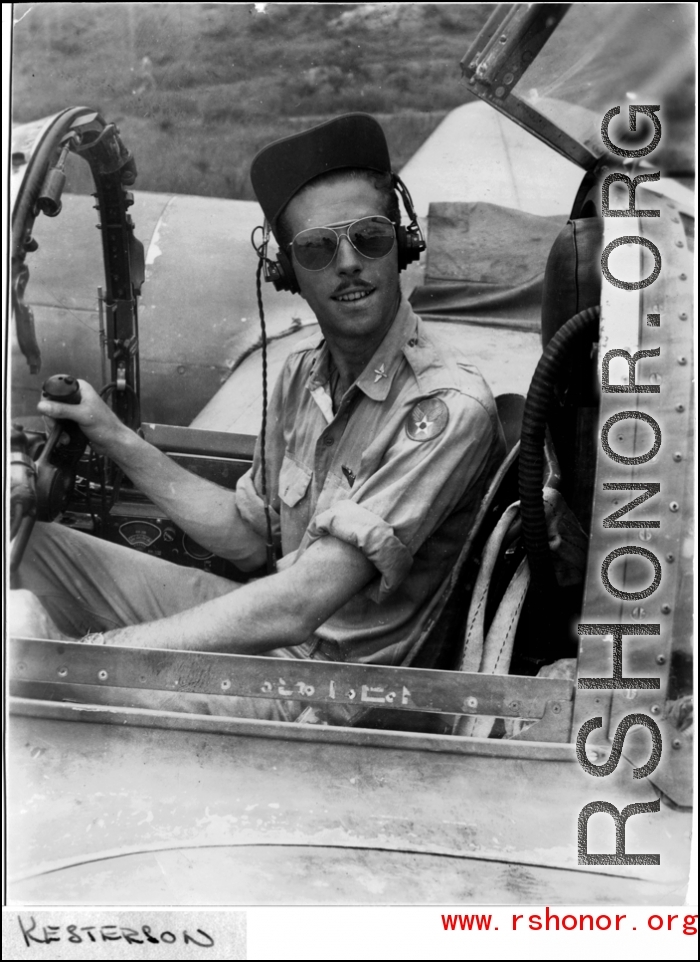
(350, 487)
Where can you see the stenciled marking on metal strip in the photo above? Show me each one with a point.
(427, 420)
(371, 694)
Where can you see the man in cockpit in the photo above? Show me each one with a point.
(380, 444)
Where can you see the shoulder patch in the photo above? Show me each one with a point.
(427, 420)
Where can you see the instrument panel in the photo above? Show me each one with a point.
(139, 524)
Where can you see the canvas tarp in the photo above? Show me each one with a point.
(485, 264)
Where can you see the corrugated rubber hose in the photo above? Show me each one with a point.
(568, 338)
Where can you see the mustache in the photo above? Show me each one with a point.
(352, 286)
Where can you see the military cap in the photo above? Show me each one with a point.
(282, 168)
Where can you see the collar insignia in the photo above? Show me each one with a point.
(427, 420)
(379, 373)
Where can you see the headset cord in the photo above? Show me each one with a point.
(270, 545)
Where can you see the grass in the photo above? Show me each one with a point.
(225, 79)
(194, 159)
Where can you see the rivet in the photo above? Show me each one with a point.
(665, 609)
(645, 535)
(142, 678)
(680, 407)
(670, 557)
(180, 369)
(102, 675)
(683, 316)
(679, 243)
(638, 612)
(676, 743)
(673, 506)
(683, 277)
(500, 91)
(661, 659)
(655, 709)
(508, 79)
(225, 684)
(556, 708)
(502, 38)
(21, 666)
(682, 360)
(513, 705)
(62, 672)
(472, 702)
(678, 456)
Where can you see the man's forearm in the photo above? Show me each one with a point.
(246, 622)
(281, 610)
(205, 511)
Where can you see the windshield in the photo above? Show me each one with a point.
(604, 55)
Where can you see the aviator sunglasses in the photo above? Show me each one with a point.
(315, 248)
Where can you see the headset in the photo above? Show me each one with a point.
(409, 241)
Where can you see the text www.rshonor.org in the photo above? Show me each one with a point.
(553, 922)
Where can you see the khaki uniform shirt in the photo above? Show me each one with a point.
(399, 472)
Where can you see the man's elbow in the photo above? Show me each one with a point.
(234, 540)
(249, 559)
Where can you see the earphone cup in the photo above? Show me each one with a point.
(410, 244)
(286, 278)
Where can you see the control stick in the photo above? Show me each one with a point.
(55, 468)
(64, 389)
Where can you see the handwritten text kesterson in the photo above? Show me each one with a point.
(649, 490)
(34, 934)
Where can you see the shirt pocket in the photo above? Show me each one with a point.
(295, 505)
(294, 482)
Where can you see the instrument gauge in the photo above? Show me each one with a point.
(139, 534)
(195, 550)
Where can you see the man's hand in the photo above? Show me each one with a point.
(100, 425)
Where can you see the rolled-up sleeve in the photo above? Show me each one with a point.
(406, 488)
(361, 527)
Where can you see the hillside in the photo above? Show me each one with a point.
(198, 88)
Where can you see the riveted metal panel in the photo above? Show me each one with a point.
(625, 324)
(93, 668)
